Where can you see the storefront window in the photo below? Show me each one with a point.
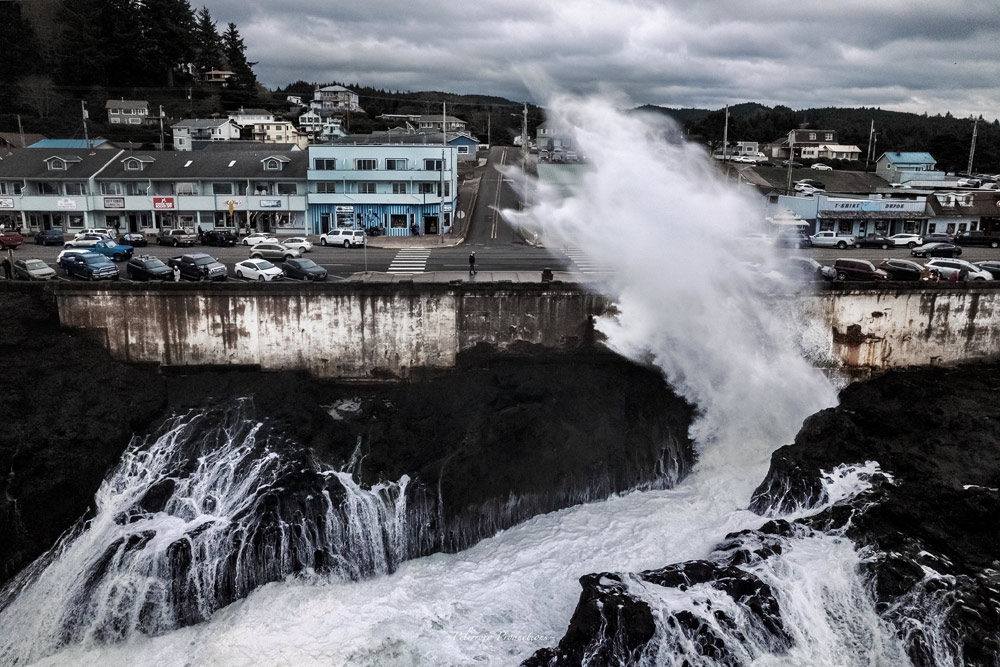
(845, 226)
(825, 225)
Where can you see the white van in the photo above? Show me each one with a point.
(345, 237)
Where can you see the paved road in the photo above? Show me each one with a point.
(496, 192)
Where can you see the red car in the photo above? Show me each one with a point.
(10, 239)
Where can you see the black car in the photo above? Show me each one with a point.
(303, 269)
(939, 238)
(219, 237)
(901, 269)
(50, 237)
(875, 242)
(134, 240)
(784, 163)
(936, 250)
(807, 268)
(147, 267)
(992, 266)
(858, 269)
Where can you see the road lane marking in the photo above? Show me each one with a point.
(409, 261)
(585, 264)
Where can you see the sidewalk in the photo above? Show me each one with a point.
(464, 277)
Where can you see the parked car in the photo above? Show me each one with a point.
(258, 269)
(89, 266)
(303, 269)
(300, 242)
(10, 239)
(939, 237)
(993, 266)
(819, 166)
(909, 240)
(832, 240)
(177, 237)
(148, 267)
(807, 268)
(85, 240)
(793, 164)
(345, 237)
(875, 242)
(274, 251)
(198, 266)
(901, 269)
(792, 240)
(858, 269)
(765, 163)
(969, 182)
(50, 237)
(103, 231)
(70, 251)
(134, 240)
(219, 238)
(258, 237)
(807, 190)
(936, 250)
(965, 270)
(33, 269)
(115, 251)
(977, 238)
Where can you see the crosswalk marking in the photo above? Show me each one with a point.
(585, 264)
(409, 261)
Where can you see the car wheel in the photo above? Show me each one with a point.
(842, 245)
(347, 244)
(885, 246)
(911, 245)
(176, 243)
(260, 279)
(118, 257)
(322, 242)
(239, 274)
(841, 275)
(256, 255)
(978, 279)
(288, 257)
(65, 246)
(994, 244)
(958, 252)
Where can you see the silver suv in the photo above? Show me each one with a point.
(274, 251)
(177, 237)
(345, 237)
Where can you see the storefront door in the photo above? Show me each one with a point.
(430, 224)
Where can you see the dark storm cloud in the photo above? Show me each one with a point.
(915, 55)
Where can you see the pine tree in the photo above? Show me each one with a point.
(21, 55)
(208, 44)
(244, 81)
(168, 35)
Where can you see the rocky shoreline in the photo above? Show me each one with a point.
(928, 526)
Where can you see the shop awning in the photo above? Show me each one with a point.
(872, 215)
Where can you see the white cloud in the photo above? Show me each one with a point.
(913, 55)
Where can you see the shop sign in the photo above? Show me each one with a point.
(345, 209)
(114, 202)
(163, 203)
(66, 204)
(447, 208)
(270, 203)
(6, 203)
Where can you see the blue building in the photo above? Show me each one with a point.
(396, 188)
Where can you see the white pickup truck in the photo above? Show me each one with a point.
(832, 240)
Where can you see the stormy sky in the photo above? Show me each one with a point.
(908, 55)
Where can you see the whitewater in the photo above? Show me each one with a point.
(693, 300)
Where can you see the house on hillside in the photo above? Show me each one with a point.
(10, 140)
(279, 132)
(964, 211)
(336, 97)
(220, 76)
(805, 144)
(311, 123)
(191, 132)
(909, 168)
(839, 152)
(438, 123)
(247, 117)
(129, 112)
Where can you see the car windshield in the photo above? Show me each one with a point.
(154, 264)
(95, 260)
(306, 264)
(294, 240)
(202, 261)
(263, 266)
(35, 264)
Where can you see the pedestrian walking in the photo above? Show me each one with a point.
(6, 268)
(177, 274)
(472, 263)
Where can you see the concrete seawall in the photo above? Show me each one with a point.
(385, 331)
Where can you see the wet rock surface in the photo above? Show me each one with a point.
(928, 529)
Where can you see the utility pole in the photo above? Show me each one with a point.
(489, 128)
(972, 149)
(871, 133)
(190, 103)
(162, 145)
(791, 159)
(725, 138)
(20, 130)
(524, 133)
(83, 113)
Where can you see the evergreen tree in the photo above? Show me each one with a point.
(82, 52)
(208, 44)
(168, 35)
(21, 54)
(243, 86)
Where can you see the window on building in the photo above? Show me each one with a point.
(828, 136)
(463, 150)
(137, 188)
(812, 136)
(399, 188)
(395, 164)
(325, 164)
(222, 188)
(272, 165)
(397, 221)
(11, 188)
(48, 188)
(286, 188)
(185, 188)
(433, 165)
(427, 188)
(111, 188)
(326, 187)
(76, 189)
(366, 188)
(365, 164)
(57, 165)
(133, 165)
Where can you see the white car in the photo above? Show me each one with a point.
(832, 240)
(819, 166)
(947, 266)
(807, 190)
(259, 237)
(70, 251)
(110, 233)
(909, 240)
(86, 240)
(345, 237)
(299, 242)
(258, 269)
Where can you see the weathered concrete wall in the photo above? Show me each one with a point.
(356, 331)
(896, 328)
(351, 332)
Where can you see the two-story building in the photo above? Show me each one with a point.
(311, 123)
(191, 132)
(279, 132)
(963, 211)
(803, 142)
(248, 117)
(858, 216)
(394, 188)
(129, 112)
(336, 97)
(913, 169)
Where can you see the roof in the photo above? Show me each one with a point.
(126, 104)
(201, 123)
(14, 138)
(983, 204)
(909, 158)
(396, 138)
(222, 165)
(250, 112)
(31, 163)
(856, 215)
(229, 146)
(840, 147)
(430, 118)
(848, 182)
(335, 89)
(67, 143)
